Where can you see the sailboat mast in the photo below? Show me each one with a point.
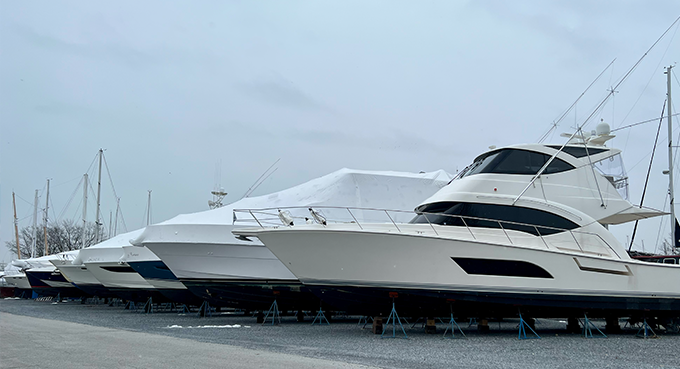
(35, 224)
(16, 225)
(670, 155)
(99, 192)
(84, 234)
(115, 224)
(148, 210)
(47, 207)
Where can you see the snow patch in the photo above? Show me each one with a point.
(175, 326)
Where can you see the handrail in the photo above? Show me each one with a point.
(463, 218)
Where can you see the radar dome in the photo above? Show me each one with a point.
(603, 129)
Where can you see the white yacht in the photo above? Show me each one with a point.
(523, 226)
(200, 250)
(106, 263)
(154, 271)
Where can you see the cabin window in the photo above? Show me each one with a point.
(514, 161)
(536, 222)
(578, 151)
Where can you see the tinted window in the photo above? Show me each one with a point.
(446, 213)
(513, 161)
(578, 151)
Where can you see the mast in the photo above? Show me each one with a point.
(115, 224)
(16, 225)
(85, 183)
(148, 210)
(45, 218)
(35, 224)
(670, 155)
(99, 191)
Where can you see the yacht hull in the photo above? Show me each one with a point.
(124, 281)
(229, 274)
(80, 277)
(52, 283)
(160, 277)
(353, 268)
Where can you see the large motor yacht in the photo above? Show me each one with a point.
(523, 227)
(225, 271)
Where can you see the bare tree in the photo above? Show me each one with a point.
(65, 236)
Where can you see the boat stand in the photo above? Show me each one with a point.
(321, 317)
(363, 320)
(115, 302)
(130, 306)
(453, 325)
(647, 331)
(184, 309)
(204, 310)
(473, 321)
(275, 313)
(587, 331)
(522, 330)
(148, 306)
(394, 318)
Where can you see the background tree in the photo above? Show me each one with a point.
(64, 236)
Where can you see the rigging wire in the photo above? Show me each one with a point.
(573, 105)
(248, 192)
(68, 203)
(643, 122)
(649, 171)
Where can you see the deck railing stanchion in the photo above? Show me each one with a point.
(355, 219)
(395, 224)
(431, 226)
(254, 217)
(468, 228)
(506, 233)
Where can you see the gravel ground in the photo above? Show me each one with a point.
(344, 341)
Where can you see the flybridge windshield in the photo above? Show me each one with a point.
(612, 169)
(514, 161)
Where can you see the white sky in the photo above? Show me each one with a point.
(173, 89)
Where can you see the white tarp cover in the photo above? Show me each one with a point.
(343, 188)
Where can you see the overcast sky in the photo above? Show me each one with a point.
(174, 90)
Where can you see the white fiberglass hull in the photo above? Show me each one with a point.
(18, 281)
(485, 268)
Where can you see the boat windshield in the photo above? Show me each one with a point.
(534, 221)
(514, 161)
(612, 168)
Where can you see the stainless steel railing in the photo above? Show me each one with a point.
(269, 216)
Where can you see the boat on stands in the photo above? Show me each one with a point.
(226, 271)
(524, 227)
(154, 271)
(105, 261)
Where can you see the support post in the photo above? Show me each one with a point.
(587, 328)
(274, 312)
(522, 330)
(394, 319)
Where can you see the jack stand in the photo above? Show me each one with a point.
(148, 306)
(646, 329)
(472, 321)
(453, 326)
(587, 331)
(184, 309)
(130, 306)
(58, 298)
(115, 302)
(364, 320)
(321, 317)
(204, 310)
(275, 313)
(416, 322)
(522, 330)
(394, 318)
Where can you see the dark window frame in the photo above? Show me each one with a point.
(481, 215)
